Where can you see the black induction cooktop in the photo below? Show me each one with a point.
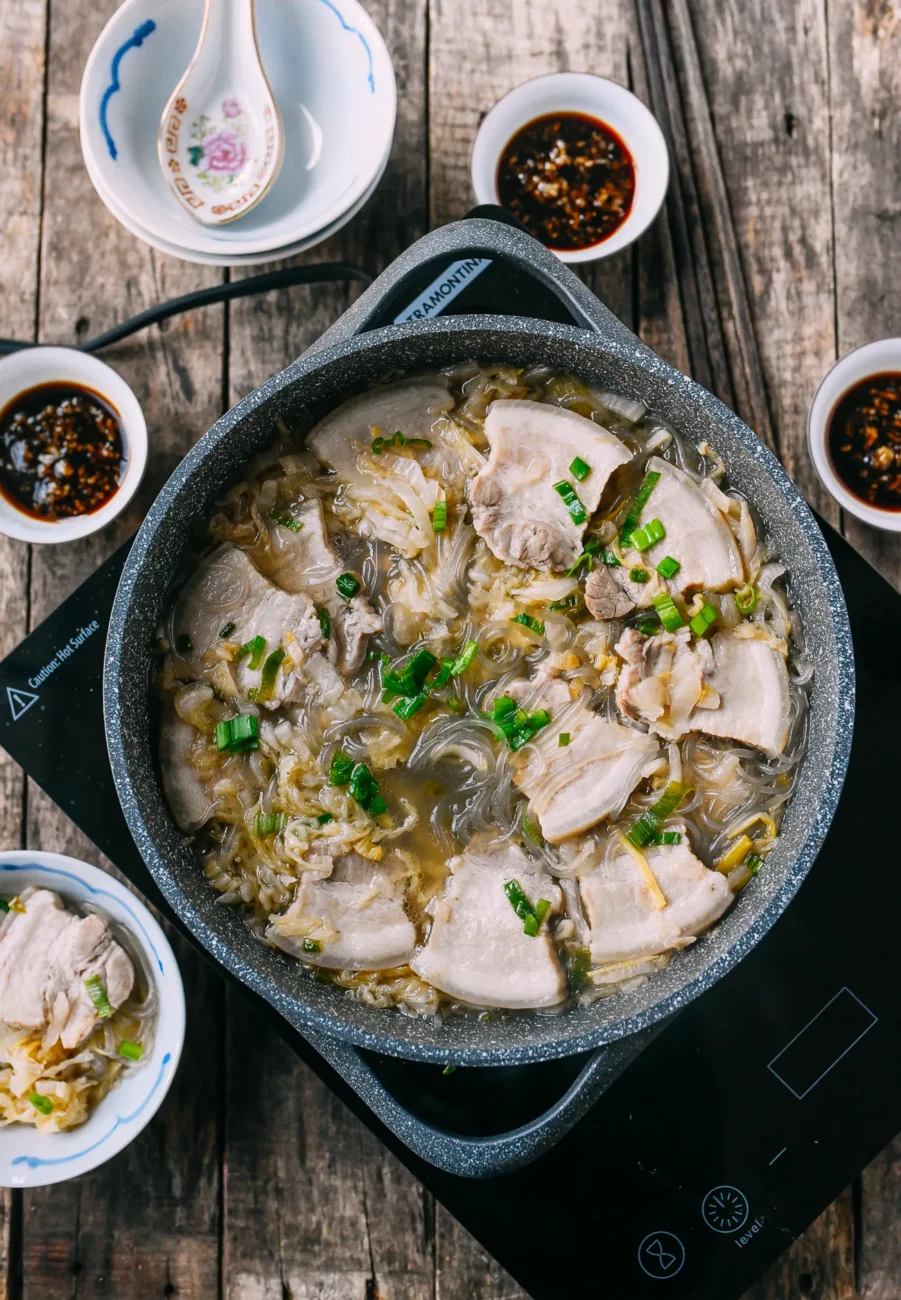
(749, 1112)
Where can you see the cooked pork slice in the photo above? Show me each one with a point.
(624, 919)
(606, 598)
(227, 588)
(189, 801)
(410, 407)
(571, 787)
(514, 504)
(661, 680)
(697, 534)
(356, 916)
(751, 679)
(477, 949)
(46, 954)
(305, 562)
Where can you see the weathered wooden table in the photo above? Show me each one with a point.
(254, 1183)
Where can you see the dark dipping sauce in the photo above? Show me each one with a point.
(569, 179)
(61, 451)
(864, 440)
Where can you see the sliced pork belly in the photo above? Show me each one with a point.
(410, 407)
(477, 949)
(187, 796)
(514, 505)
(46, 954)
(356, 916)
(571, 787)
(621, 910)
(661, 680)
(227, 588)
(606, 598)
(751, 679)
(305, 562)
(697, 534)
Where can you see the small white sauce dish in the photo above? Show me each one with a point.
(31, 367)
(32, 1159)
(597, 97)
(872, 359)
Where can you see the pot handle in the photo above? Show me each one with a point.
(483, 1157)
(487, 233)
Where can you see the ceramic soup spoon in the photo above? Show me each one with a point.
(221, 138)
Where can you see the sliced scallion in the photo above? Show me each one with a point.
(465, 658)
(563, 738)
(397, 439)
(648, 627)
(579, 966)
(639, 575)
(704, 620)
(666, 837)
(311, 945)
(569, 602)
(269, 823)
(324, 818)
(648, 535)
(325, 622)
(340, 769)
(753, 862)
(668, 567)
(97, 994)
(256, 648)
(651, 821)
(570, 498)
(411, 704)
(270, 673)
(439, 517)
(449, 1069)
(238, 734)
(4, 906)
(535, 624)
(40, 1102)
(443, 675)
(669, 616)
(284, 520)
(579, 469)
(347, 585)
(746, 599)
(532, 831)
(639, 501)
(131, 1051)
(227, 630)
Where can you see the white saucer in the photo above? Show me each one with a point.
(226, 258)
(334, 83)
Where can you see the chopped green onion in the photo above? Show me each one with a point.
(639, 575)
(347, 585)
(131, 1051)
(533, 832)
(376, 805)
(527, 620)
(324, 818)
(530, 925)
(270, 673)
(579, 469)
(443, 675)
(530, 916)
(363, 785)
(651, 821)
(639, 501)
(40, 1102)
(373, 654)
(579, 967)
(227, 630)
(397, 439)
(256, 649)
(439, 517)
(746, 599)
(563, 738)
(253, 694)
(570, 602)
(584, 558)
(420, 666)
(753, 862)
(449, 1069)
(454, 704)
(238, 734)
(340, 769)
(649, 535)
(668, 567)
(571, 500)
(666, 837)
(325, 623)
(284, 520)
(465, 658)
(311, 945)
(669, 616)
(4, 906)
(183, 644)
(97, 994)
(608, 558)
(269, 823)
(411, 704)
(701, 622)
(648, 627)
(502, 706)
(542, 907)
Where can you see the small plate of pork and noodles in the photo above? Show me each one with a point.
(486, 694)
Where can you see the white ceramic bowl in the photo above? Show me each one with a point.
(26, 369)
(32, 1159)
(580, 92)
(871, 359)
(332, 78)
(236, 259)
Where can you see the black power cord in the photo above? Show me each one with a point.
(323, 273)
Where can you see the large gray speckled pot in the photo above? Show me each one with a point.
(603, 351)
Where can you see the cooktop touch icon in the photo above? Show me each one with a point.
(725, 1209)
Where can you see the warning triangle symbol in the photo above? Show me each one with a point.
(19, 701)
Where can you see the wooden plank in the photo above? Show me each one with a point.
(480, 51)
(770, 116)
(463, 1270)
(865, 64)
(879, 1241)
(22, 69)
(820, 1265)
(149, 1220)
